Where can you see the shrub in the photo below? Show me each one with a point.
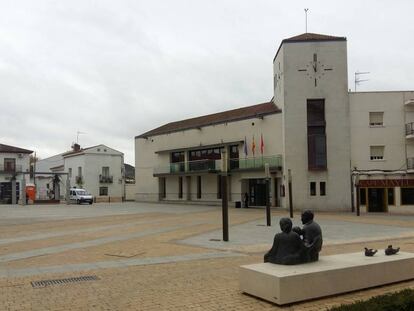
(401, 301)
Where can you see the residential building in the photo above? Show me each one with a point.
(98, 169)
(14, 172)
(318, 145)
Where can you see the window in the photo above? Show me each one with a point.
(103, 190)
(10, 165)
(407, 196)
(180, 187)
(317, 158)
(177, 157)
(105, 171)
(79, 171)
(198, 187)
(234, 156)
(376, 118)
(312, 188)
(377, 152)
(218, 187)
(70, 172)
(362, 196)
(322, 188)
(391, 199)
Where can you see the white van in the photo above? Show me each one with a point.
(80, 196)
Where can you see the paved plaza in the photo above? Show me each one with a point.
(161, 256)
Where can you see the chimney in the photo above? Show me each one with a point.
(76, 147)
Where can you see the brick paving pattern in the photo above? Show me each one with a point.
(161, 257)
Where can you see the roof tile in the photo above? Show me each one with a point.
(215, 118)
(12, 149)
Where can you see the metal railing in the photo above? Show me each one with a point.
(410, 163)
(409, 128)
(10, 168)
(103, 179)
(79, 180)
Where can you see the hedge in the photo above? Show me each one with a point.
(401, 301)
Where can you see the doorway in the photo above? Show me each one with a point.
(257, 192)
(376, 200)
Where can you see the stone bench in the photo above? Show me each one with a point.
(330, 275)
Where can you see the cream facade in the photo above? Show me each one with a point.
(153, 156)
(98, 169)
(382, 140)
(14, 173)
(320, 142)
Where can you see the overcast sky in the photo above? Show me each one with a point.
(115, 69)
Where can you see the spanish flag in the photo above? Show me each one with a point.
(261, 144)
(253, 146)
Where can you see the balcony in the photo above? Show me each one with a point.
(409, 102)
(10, 169)
(409, 130)
(79, 180)
(410, 163)
(204, 166)
(189, 167)
(103, 179)
(214, 166)
(257, 163)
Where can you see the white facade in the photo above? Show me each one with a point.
(14, 164)
(322, 137)
(382, 140)
(98, 169)
(300, 82)
(152, 156)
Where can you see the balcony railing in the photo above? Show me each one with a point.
(79, 180)
(257, 163)
(204, 165)
(103, 179)
(10, 169)
(409, 129)
(410, 163)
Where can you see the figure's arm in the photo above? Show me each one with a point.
(272, 251)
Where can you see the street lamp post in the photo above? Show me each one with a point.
(290, 193)
(358, 213)
(268, 215)
(224, 201)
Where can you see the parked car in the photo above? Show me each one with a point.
(80, 196)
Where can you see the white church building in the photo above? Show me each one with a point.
(339, 150)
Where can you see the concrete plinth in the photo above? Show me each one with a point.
(330, 275)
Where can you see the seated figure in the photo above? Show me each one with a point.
(287, 246)
(311, 234)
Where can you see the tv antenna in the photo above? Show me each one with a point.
(358, 80)
(77, 135)
(306, 20)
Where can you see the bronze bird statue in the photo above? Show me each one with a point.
(369, 252)
(391, 251)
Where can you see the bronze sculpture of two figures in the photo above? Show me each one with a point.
(294, 246)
